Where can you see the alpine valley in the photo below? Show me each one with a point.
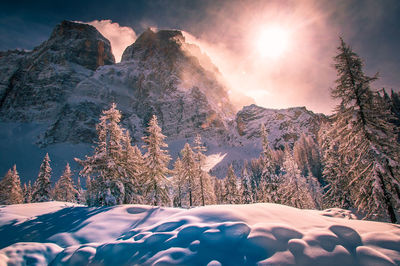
(51, 99)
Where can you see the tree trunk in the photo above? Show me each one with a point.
(202, 187)
(389, 206)
(190, 198)
(392, 175)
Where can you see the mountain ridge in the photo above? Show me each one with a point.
(63, 90)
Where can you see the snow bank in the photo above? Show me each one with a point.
(273, 234)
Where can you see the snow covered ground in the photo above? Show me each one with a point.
(66, 234)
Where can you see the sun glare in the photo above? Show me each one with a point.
(273, 42)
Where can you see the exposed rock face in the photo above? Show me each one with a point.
(163, 60)
(283, 126)
(77, 43)
(34, 86)
(164, 43)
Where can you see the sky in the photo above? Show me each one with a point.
(238, 35)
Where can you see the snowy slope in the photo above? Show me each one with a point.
(17, 146)
(51, 99)
(63, 234)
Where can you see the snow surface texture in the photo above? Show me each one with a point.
(65, 234)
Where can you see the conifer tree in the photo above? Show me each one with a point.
(179, 185)
(263, 191)
(366, 140)
(208, 193)
(157, 159)
(27, 192)
(200, 159)
(268, 184)
(219, 189)
(294, 190)
(395, 103)
(24, 191)
(266, 151)
(337, 194)
(64, 190)
(256, 173)
(190, 175)
(307, 156)
(315, 189)
(10, 188)
(232, 195)
(247, 196)
(106, 166)
(89, 194)
(42, 187)
(206, 188)
(80, 197)
(134, 166)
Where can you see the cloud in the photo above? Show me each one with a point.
(119, 36)
(300, 77)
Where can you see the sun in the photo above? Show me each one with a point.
(273, 42)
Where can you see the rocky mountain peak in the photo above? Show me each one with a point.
(77, 43)
(74, 30)
(165, 67)
(34, 85)
(160, 37)
(166, 43)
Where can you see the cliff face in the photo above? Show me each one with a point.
(283, 126)
(77, 43)
(34, 85)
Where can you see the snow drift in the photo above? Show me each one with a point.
(60, 233)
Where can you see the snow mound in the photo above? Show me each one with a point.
(29, 254)
(213, 235)
(339, 213)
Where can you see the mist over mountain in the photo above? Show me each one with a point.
(51, 98)
(151, 133)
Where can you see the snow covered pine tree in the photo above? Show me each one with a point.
(157, 159)
(247, 196)
(178, 184)
(64, 190)
(189, 173)
(366, 140)
(10, 188)
(135, 168)
(42, 186)
(336, 194)
(268, 185)
(232, 195)
(104, 169)
(27, 192)
(294, 191)
(206, 193)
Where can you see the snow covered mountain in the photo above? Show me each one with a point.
(156, 76)
(53, 96)
(284, 125)
(59, 233)
(35, 85)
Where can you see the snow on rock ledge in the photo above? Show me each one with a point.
(225, 234)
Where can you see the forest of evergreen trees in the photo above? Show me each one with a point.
(353, 164)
